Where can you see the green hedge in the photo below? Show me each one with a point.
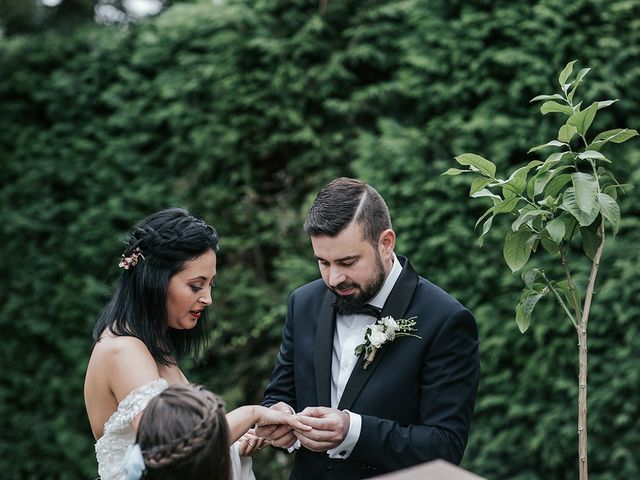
(241, 112)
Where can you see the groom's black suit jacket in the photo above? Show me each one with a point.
(417, 397)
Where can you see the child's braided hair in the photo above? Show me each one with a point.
(183, 433)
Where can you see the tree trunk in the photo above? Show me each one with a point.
(583, 466)
(582, 402)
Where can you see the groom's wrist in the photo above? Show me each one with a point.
(346, 423)
(353, 434)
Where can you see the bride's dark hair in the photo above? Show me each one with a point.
(138, 307)
(183, 433)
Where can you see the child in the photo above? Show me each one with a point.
(184, 433)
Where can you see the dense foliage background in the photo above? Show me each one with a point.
(241, 111)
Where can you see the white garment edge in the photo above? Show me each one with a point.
(349, 443)
(241, 467)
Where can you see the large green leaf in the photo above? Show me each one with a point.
(529, 277)
(526, 216)
(522, 172)
(486, 193)
(564, 74)
(555, 107)
(554, 159)
(484, 166)
(583, 120)
(550, 246)
(555, 96)
(484, 215)
(539, 182)
(586, 190)
(556, 183)
(455, 171)
(617, 135)
(552, 143)
(606, 103)
(610, 210)
(576, 82)
(530, 303)
(592, 155)
(556, 229)
(570, 226)
(516, 249)
(581, 74)
(566, 133)
(478, 184)
(570, 203)
(549, 202)
(486, 226)
(505, 206)
(522, 320)
(612, 190)
(513, 187)
(590, 239)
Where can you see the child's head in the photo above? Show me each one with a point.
(183, 433)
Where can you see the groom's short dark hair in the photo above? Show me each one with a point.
(343, 201)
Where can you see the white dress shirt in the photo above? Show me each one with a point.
(349, 333)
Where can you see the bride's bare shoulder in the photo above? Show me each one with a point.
(110, 343)
(120, 351)
(120, 364)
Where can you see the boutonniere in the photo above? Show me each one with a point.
(384, 330)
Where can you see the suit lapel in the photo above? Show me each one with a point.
(396, 306)
(323, 350)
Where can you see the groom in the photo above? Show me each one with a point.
(414, 402)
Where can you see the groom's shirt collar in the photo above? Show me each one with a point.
(389, 282)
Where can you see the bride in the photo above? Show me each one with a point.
(156, 316)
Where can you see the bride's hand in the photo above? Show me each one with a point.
(270, 416)
(249, 443)
(281, 436)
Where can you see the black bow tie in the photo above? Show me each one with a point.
(368, 309)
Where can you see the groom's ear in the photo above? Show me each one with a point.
(386, 243)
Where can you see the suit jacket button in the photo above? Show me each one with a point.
(328, 463)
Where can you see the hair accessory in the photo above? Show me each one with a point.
(134, 465)
(132, 260)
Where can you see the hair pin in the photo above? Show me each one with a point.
(132, 260)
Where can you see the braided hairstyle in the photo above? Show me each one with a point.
(183, 433)
(138, 307)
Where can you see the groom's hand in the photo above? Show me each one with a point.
(281, 436)
(329, 428)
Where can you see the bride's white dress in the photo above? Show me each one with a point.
(118, 435)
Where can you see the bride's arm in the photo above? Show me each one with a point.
(243, 418)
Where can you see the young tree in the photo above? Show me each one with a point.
(554, 203)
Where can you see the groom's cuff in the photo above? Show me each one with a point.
(346, 447)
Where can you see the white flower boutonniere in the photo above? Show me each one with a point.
(384, 330)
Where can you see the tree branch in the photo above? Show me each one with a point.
(592, 277)
(562, 304)
(572, 287)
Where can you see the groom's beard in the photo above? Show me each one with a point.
(350, 304)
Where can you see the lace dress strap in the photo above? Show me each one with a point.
(118, 433)
(135, 402)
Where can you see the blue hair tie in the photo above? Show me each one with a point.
(134, 465)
